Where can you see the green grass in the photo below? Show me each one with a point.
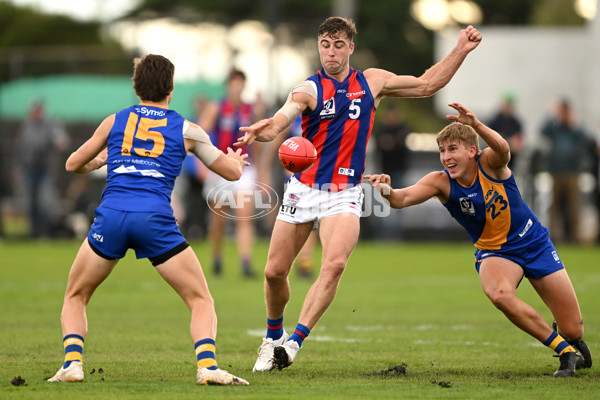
(415, 304)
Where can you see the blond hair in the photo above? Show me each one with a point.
(458, 132)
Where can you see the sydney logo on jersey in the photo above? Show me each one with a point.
(328, 111)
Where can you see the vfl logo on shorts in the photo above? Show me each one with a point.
(555, 255)
(97, 237)
(328, 111)
(293, 199)
(466, 206)
(346, 171)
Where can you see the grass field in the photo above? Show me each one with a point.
(411, 304)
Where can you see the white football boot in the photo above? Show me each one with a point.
(73, 373)
(283, 356)
(218, 377)
(264, 362)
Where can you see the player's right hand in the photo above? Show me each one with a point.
(376, 179)
(252, 131)
(381, 182)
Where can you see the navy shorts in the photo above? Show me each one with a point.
(152, 235)
(537, 260)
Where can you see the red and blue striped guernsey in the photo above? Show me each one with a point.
(339, 127)
(229, 119)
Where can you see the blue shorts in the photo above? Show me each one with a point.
(150, 234)
(538, 259)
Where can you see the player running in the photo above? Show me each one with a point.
(480, 192)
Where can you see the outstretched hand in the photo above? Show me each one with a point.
(237, 155)
(469, 38)
(252, 131)
(381, 182)
(465, 116)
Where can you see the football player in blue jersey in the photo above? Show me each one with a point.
(480, 192)
(143, 147)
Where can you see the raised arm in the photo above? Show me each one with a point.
(385, 83)
(92, 154)
(496, 157)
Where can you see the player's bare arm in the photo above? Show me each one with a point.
(230, 165)
(385, 83)
(434, 184)
(268, 129)
(92, 154)
(495, 158)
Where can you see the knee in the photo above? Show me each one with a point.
(275, 276)
(200, 300)
(332, 271)
(501, 298)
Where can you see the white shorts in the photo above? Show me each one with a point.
(246, 183)
(302, 203)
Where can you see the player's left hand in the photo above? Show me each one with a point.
(238, 155)
(465, 116)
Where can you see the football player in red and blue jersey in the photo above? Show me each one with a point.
(480, 192)
(337, 105)
(222, 120)
(143, 147)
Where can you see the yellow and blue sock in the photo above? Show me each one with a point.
(205, 354)
(73, 345)
(558, 344)
(300, 333)
(274, 328)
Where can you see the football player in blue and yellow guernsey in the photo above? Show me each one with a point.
(143, 147)
(480, 192)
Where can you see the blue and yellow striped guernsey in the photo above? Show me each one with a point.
(492, 212)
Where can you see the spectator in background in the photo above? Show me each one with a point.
(390, 143)
(222, 120)
(390, 137)
(39, 145)
(567, 144)
(508, 125)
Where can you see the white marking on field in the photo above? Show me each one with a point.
(317, 338)
(369, 328)
(431, 327)
(453, 343)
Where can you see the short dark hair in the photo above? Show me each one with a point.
(336, 26)
(152, 77)
(236, 73)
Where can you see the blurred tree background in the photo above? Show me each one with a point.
(36, 44)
